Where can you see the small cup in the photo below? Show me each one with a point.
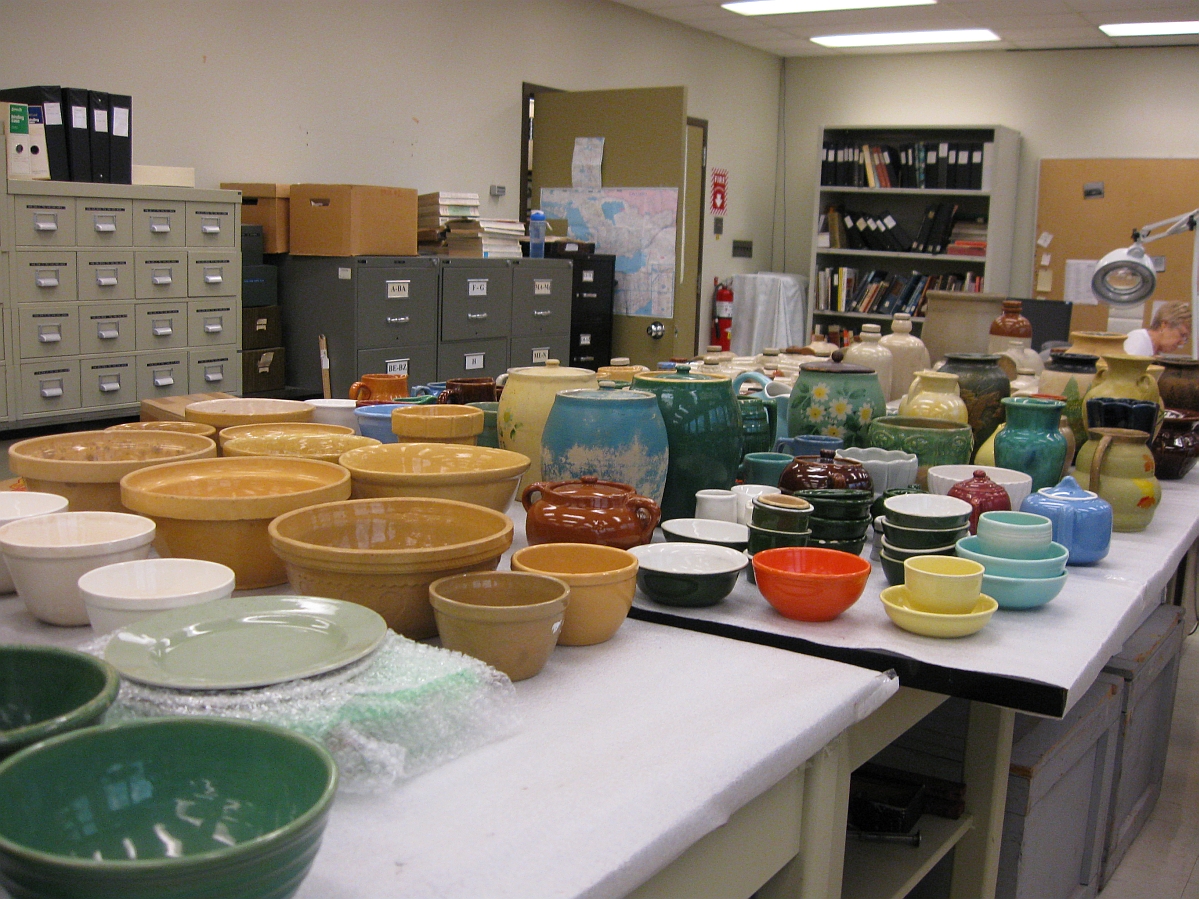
(746, 494)
(465, 391)
(718, 504)
(489, 436)
(1013, 535)
(946, 585)
(378, 388)
(780, 512)
(764, 468)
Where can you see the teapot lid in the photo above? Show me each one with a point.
(1067, 488)
(838, 367)
(681, 372)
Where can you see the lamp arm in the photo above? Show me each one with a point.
(1177, 224)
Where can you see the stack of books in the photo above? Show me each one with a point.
(485, 238)
(845, 289)
(434, 213)
(933, 165)
(968, 238)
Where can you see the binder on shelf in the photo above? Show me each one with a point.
(49, 98)
(99, 135)
(943, 165)
(120, 163)
(79, 144)
(897, 234)
(976, 166)
(25, 142)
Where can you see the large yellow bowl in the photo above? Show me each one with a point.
(227, 413)
(326, 447)
(181, 427)
(482, 475)
(219, 509)
(454, 424)
(384, 553)
(897, 602)
(288, 428)
(87, 466)
(602, 581)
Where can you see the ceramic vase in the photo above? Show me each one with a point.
(871, 353)
(1022, 356)
(1096, 343)
(1125, 377)
(1010, 325)
(986, 452)
(934, 394)
(1082, 520)
(837, 399)
(703, 429)
(1030, 441)
(613, 435)
(983, 387)
(1069, 375)
(1116, 464)
(908, 354)
(525, 404)
(1179, 383)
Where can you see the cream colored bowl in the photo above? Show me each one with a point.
(246, 411)
(219, 509)
(471, 474)
(181, 427)
(277, 428)
(326, 447)
(437, 424)
(602, 581)
(384, 553)
(86, 467)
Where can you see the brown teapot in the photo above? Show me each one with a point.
(825, 470)
(589, 510)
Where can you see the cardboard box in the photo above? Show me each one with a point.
(266, 205)
(352, 220)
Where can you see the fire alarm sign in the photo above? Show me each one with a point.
(720, 188)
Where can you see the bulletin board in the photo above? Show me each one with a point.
(1135, 193)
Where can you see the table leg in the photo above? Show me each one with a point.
(988, 755)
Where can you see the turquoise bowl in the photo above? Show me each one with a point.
(1022, 593)
(46, 691)
(1015, 535)
(1048, 562)
(179, 807)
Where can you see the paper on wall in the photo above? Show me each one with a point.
(1077, 288)
(1045, 240)
(587, 162)
(1045, 280)
(1045, 257)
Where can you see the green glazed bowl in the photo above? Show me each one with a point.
(921, 538)
(876, 508)
(687, 574)
(899, 554)
(893, 569)
(46, 691)
(766, 538)
(927, 510)
(853, 547)
(844, 504)
(838, 529)
(178, 807)
(780, 512)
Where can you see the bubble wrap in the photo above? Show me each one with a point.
(405, 709)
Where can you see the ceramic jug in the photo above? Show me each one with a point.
(614, 435)
(934, 394)
(1022, 357)
(1082, 520)
(1126, 377)
(588, 510)
(1176, 446)
(835, 398)
(1179, 383)
(1116, 464)
(983, 386)
(871, 353)
(1027, 382)
(1030, 440)
(703, 428)
(1011, 325)
(525, 405)
(1069, 375)
(779, 390)
(908, 354)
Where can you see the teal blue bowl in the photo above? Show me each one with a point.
(1022, 593)
(1044, 562)
(178, 807)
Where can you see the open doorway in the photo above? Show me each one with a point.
(528, 104)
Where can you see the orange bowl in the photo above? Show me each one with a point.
(810, 584)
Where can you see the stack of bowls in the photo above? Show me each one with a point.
(778, 520)
(942, 597)
(919, 524)
(1024, 568)
(840, 517)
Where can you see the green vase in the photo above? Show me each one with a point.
(983, 387)
(1031, 441)
(835, 399)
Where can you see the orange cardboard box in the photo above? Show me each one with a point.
(266, 205)
(352, 220)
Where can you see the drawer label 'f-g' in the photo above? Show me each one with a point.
(397, 366)
(476, 287)
(474, 361)
(543, 287)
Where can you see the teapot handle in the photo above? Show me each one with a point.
(526, 498)
(749, 376)
(1097, 462)
(648, 512)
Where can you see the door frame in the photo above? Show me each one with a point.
(703, 208)
(528, 95)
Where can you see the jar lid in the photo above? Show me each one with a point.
(1067, 488)
(552, 369)
(837, 367)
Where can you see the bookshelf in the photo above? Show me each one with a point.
(981, 190)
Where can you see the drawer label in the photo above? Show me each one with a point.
(584, 340)
(476, 287)
(397, 366)
(397, 290)
(541, 354)
(345, 274)
(543, 287)
(588, 276)
(473, 361)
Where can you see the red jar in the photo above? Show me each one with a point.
(983, 494)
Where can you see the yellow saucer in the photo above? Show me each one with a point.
(932, 624)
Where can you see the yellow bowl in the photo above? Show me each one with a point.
(274, 428)
(326, 447)
(219, 509)
(437, 424)
(897, 602)
(182, 427)
(87, 466)
(482, 475)
(227, 413)
(948, 585)
(384, 553)
(602, 582)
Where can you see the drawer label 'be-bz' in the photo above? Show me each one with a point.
(397, 366)
(476, 287)
(474, 361)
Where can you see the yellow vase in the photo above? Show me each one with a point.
(934, 394)
(1116, 464)
(1125, 377)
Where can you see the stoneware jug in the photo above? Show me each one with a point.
(1030, 441)
(703, 428)
(983, 386)
(588, 510)
(1011, 325)
(870, 352)
(1116, 464)
(836, 398)
(908, 354)
(1082, 520)
(934, 394)
(779, 390)
(613, 435)
(525, 405)
(1179, 383)
(1126, 377)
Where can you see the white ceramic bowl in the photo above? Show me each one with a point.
(125, 593)
(1017, 484)
(1014, 535)
(706, 530)
(48, 554)
(18, 504)
(335, 412)
(888, 468)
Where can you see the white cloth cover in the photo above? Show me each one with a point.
(768, 311)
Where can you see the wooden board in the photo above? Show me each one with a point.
(1136, 192)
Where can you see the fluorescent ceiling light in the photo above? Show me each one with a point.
(1145, 29)
(899, 38)
(784, 7)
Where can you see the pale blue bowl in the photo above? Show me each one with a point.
(375, 421)
(1013, 535)
(1047, 562)
(1022, 593)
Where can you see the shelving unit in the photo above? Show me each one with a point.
(908, 205)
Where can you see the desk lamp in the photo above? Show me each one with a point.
(1125, 277)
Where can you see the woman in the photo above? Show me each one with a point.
(1169, 332)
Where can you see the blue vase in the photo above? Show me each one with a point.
(614, 435)
(1031, 441)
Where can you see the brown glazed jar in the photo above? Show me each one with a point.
(1011, 322)
(1179, 383)
(588, 510)
(983, 494)
(825, 470)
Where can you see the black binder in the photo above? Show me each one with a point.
(49, 98)
(120, 163)
(79, 146)
(99, 135)
(976, 166)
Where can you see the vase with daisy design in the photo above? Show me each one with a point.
(836, 399)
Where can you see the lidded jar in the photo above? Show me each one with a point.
(525, 405)
(908, 354)
(1082, 520)
(871, 353)
(983, 495)
(837, 399)
(1010, 324)
(825, 471)
(588, 510)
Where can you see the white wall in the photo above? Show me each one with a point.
(416, 93)
(1066, 103)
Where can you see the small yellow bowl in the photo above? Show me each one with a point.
(437, 424)
(945, 585)
(602, 581)
(897, 602)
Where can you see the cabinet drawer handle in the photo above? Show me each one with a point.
(110, 386)
(213, 276)
(46, 224)
(160, 226)
(542, 313)
(161, 279)
(47, 280)
(163, 330)
(398, 319)
(213, 328)
(49, 337)
(106, 280)
(476, 316)
(213, 375)
(163, 380)
(108, 332)
(210, 226)
(104, 225)
(50, 393)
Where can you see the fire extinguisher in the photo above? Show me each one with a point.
(722, 314)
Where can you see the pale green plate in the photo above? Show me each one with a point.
(246, 641)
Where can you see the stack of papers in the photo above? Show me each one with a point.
(436, 210)
(485, 238)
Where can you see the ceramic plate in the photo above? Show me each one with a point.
(249, 641)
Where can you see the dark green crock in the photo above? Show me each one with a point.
(983, 387)
(840, 503)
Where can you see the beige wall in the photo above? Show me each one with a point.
(424, 93)
(1066, 104)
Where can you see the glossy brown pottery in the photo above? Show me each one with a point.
(983, 387)
(825, 470)
(589, 510)
(1176, 446)
(1179, 383)
(1011, 323)
(983, 494)
(460, 391)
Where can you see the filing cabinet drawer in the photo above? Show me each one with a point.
(160, 274)
(161, 326)
(211, 225)
(538, 350)
(103, 223)
(44, 276)
(49, 386)
(213, 273)
(161, 374)
(262, 371)
(541, 293)
(209, 370)
(105, 275)
(3, 398)
(49, 331)
(476, 299)
(261, 327)
(3, 339)
(45, 221)
(590, 342)
(107, 381)
(106, 329)
(212, 322)
(419, 363)
(472, 359)
(397, 303)
(159, 223)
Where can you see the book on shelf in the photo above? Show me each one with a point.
(935, 165)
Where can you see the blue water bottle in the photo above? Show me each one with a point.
(537, 234)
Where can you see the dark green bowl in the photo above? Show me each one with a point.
(853, 547)
(876, 508)
(765, 538)
(173, 793)
(927, 510)
(893, 569)
(841, 503)
(687, 574)
(899, 554)
(780, 512)
(838, 529)
(921, 538)
(46, 691)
